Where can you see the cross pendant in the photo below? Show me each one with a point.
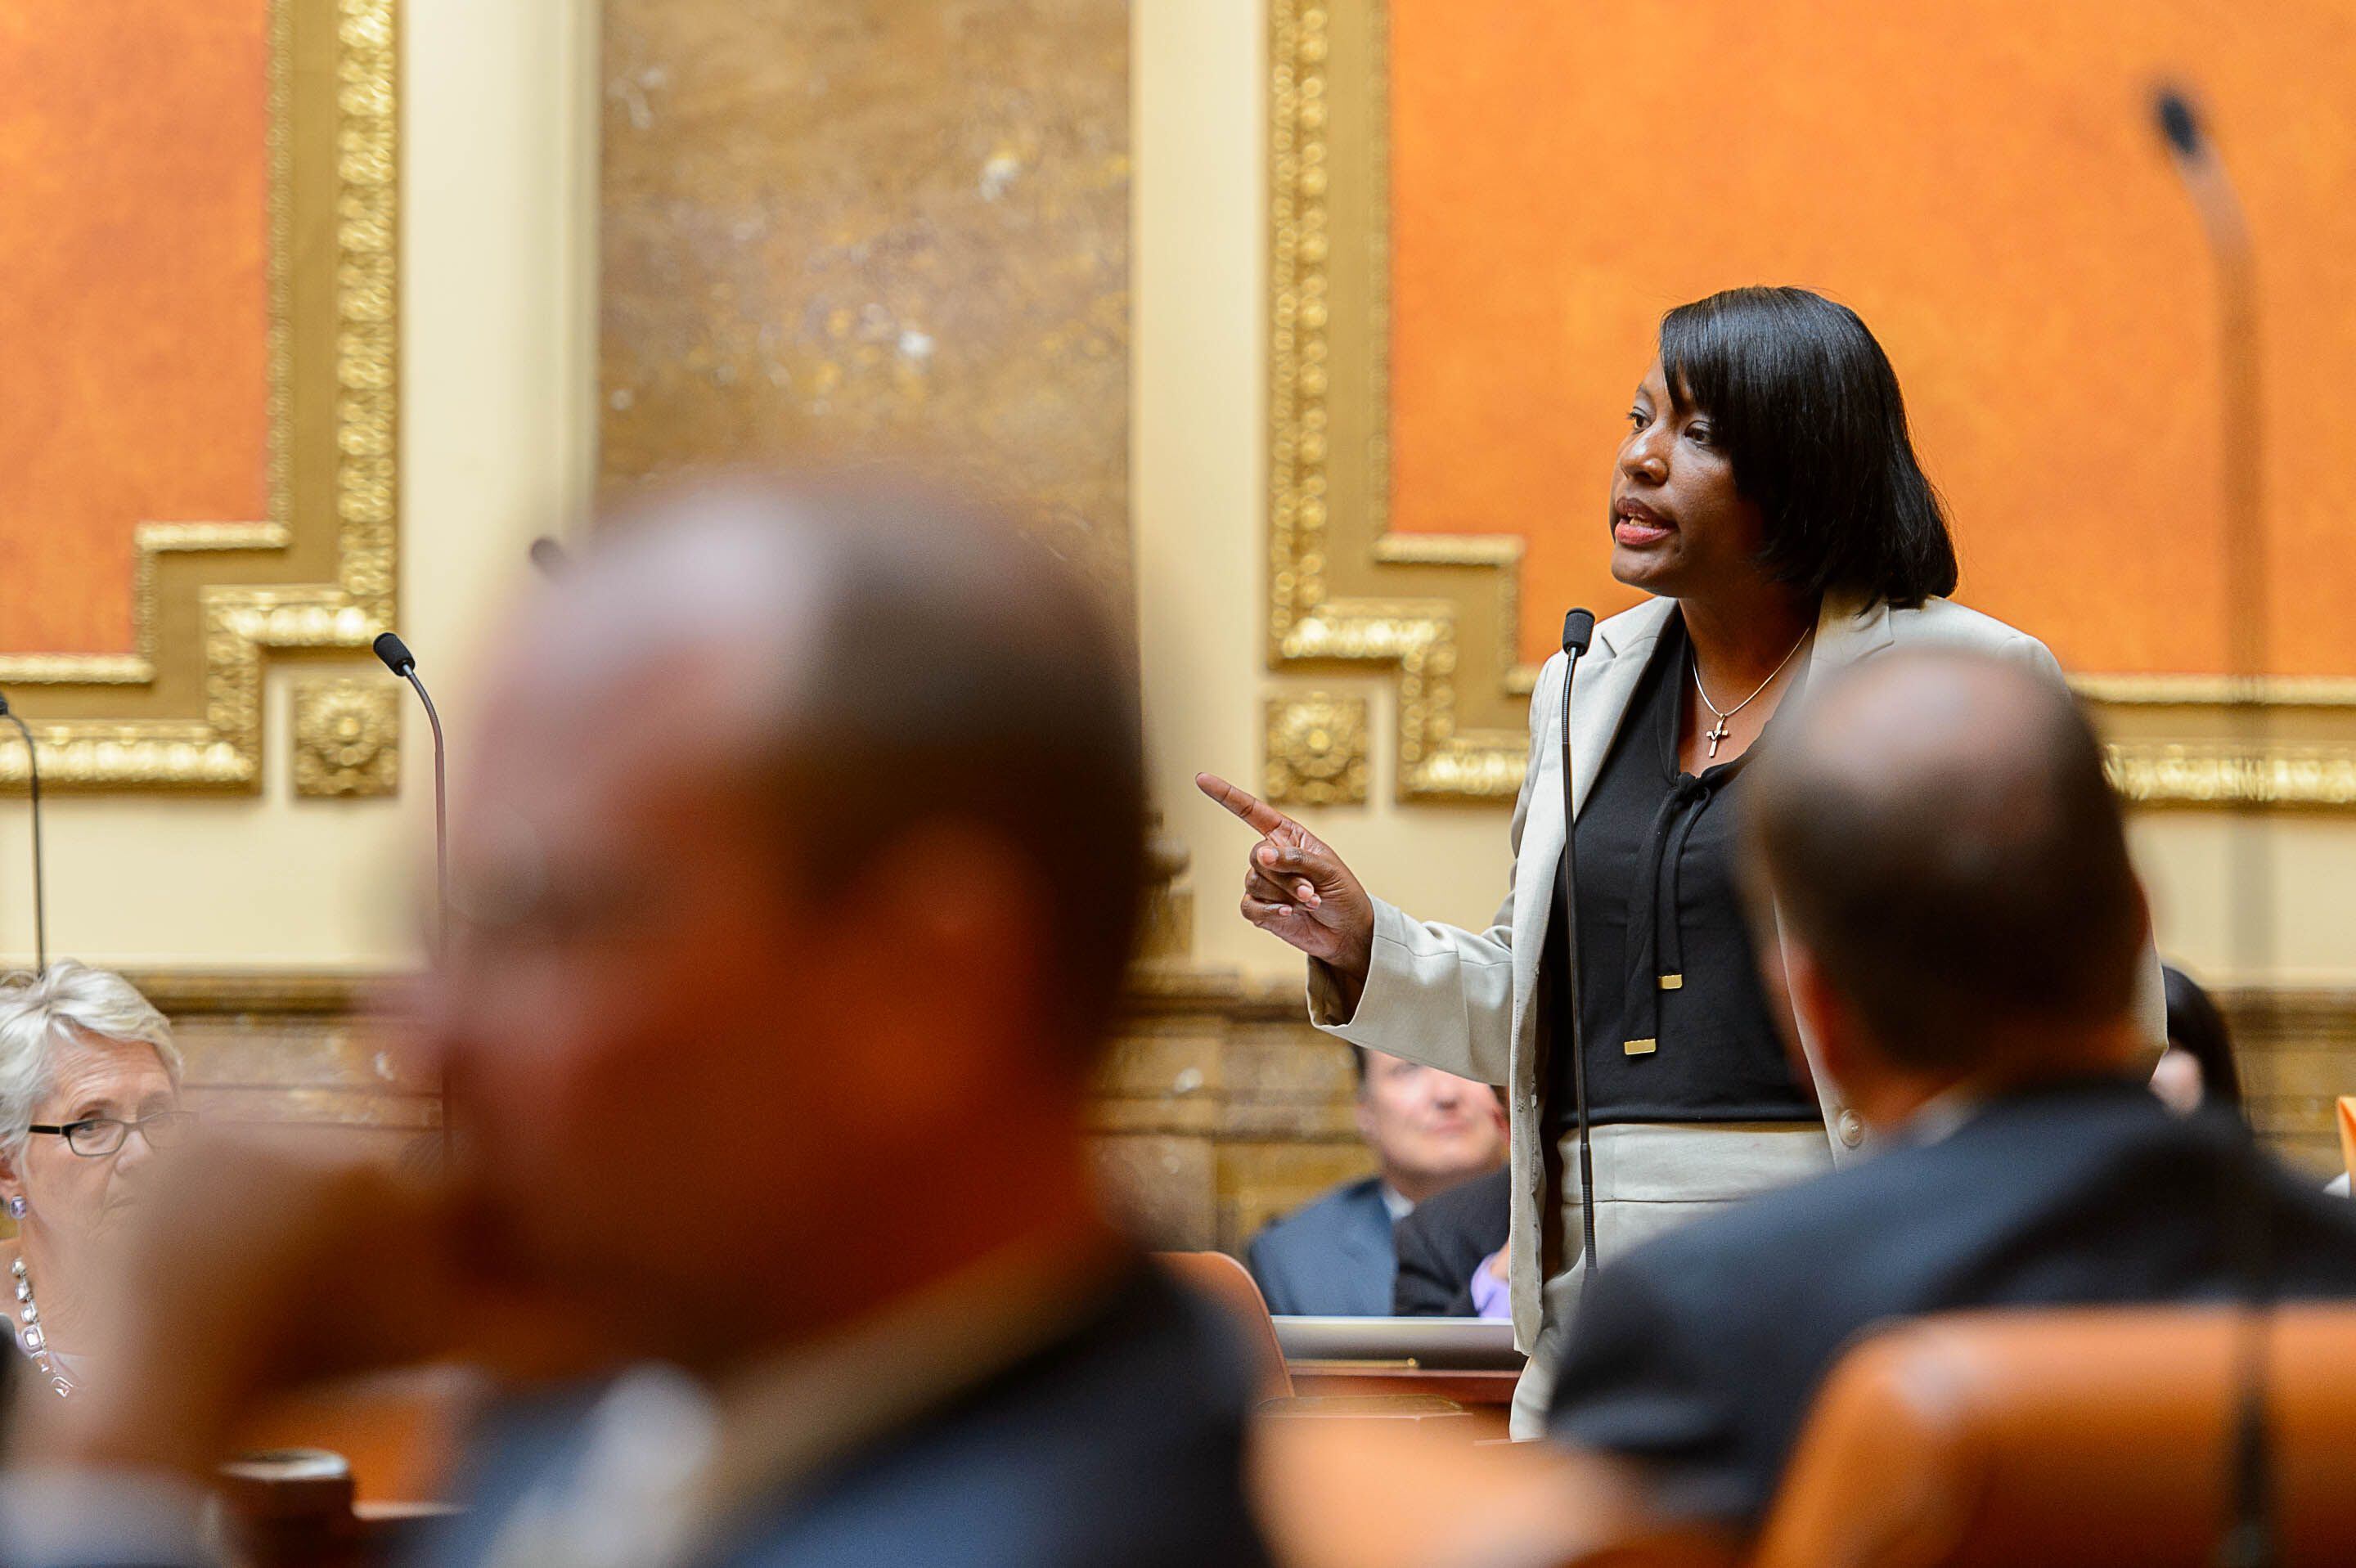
(1714, 734)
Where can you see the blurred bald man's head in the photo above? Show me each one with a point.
(1938, 838)
(795, 864)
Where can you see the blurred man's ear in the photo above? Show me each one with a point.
(1823, 1016)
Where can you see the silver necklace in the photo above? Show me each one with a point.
(1719, 732)
(35, 1340)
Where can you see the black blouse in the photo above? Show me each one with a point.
(1675, 1018)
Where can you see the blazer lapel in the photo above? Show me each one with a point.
(1607, 678)
(1600, 696)
(1848, 629)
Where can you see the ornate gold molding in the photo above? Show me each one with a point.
(2216, 690)
(2211, 774)
(346, 736)
(243, 992)
(200, 644)
(1444, 609)
(148, 541)
(1316, 126)
(1316, 749)
(367, 237)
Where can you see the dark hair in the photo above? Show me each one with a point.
(1806, 408)
(2197, 1028)
(1951, 887)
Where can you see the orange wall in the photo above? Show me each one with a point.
(1978, 178)
(133, 295)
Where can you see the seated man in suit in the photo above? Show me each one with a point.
(1428, 1130)
(768, 1023)
(1962, 928)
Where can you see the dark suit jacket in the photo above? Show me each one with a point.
(1121, 1444)
(1331, 1259)
(1700, 1351)
(1440, 1244)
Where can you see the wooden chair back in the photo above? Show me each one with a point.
(1228, 1283)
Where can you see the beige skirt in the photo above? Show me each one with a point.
(1652, 1177)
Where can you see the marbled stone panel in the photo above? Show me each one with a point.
(843, 228)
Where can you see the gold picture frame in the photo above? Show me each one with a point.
(1443, 609)
(212, 600)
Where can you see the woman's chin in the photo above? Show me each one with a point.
(1646, 568)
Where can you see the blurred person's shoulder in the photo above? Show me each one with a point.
(2001, 1184)
(1907, 1196)
(1120, 1441)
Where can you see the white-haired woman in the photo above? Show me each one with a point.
(90, 1089)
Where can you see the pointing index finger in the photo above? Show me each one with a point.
(1256, 812)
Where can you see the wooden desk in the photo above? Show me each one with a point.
(1486, 1395)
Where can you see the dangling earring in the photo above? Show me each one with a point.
(16, 1207)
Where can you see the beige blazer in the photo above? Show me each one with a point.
(1461, 1001)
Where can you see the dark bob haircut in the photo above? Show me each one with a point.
(1806, 408)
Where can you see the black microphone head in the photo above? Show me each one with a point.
(2176, 121)
(394, 653)
(549, 556)
(1577, 628)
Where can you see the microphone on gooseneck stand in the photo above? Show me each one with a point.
(2250, 1539)
(1578, 629)
(40, 877)
(402, 663)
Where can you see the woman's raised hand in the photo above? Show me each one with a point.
(1297, 888)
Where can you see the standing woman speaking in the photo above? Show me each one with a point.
(1768, 496)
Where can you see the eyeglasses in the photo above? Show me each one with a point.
(95, 1138)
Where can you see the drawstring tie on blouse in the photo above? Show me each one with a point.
(1656, 947)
